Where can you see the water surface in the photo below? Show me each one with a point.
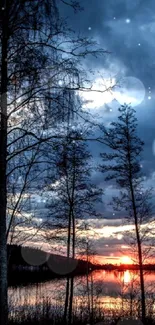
(113, 292)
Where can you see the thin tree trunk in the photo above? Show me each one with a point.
(71, 301)
(69, 235)
(92, 300)
(68, 255)
(66, 301)
(73, 237)
(72, 207)
(140, 260)
(3, 189)
(141, 276)
(88, 285)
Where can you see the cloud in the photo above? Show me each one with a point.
(132, 55)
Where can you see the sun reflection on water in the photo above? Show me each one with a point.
(110, 290)
(127, 277)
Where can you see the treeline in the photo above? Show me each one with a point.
(124, 267)
(52, 265)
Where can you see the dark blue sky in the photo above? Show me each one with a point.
(126, 28)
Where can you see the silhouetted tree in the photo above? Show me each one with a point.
(76, 196)
(32, 53)
(122, 163)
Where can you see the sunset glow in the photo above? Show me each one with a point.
(125, 260)
(127, 276)
(77, 162)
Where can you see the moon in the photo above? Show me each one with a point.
(130, 91)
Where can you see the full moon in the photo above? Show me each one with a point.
(131, 91)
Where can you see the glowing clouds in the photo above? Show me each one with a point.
(129, 90)
(100, 93)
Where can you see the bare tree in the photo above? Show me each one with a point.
(76, 194)
(75, 198)
(33, 43)
(122, 164)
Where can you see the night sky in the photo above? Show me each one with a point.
(125, 28)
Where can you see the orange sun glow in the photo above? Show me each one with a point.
(125, 260)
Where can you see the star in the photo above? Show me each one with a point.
(60, 82)
(114, 18)
(149, 97)
(128, 21)
(139, 44)
(110, 109)
(89, 28)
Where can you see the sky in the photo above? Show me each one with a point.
(126, 29)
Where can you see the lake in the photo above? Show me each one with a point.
(109, 292)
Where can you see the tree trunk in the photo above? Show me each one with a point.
(66, 301)
(68, 255)
(71, 301)
(140, 260)
(73, 237)
(141, 276)
(3, 189)
(92, 300)
(88, 295)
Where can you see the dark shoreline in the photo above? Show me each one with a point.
(125, 267)
(27, 276)
(21, 272)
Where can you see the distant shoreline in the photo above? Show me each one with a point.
(21, 272)
(125, 267)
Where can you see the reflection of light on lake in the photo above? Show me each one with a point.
(107, 286)
(111, 303)
(127, 276)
